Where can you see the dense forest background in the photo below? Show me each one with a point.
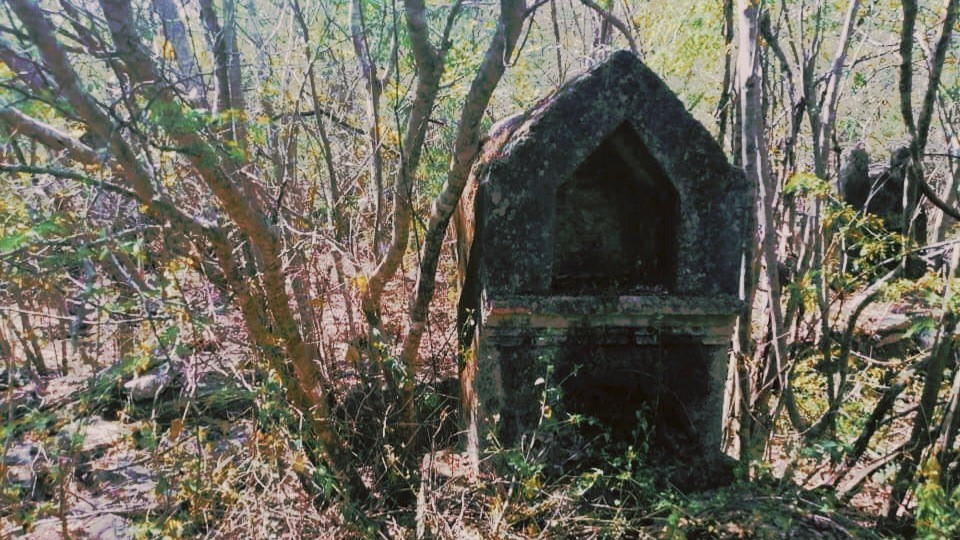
(228, 280)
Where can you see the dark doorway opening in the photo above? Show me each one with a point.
(617, 221)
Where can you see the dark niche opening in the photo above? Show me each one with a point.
(637, 391)
(617, 219)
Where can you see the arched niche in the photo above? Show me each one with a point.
(617, 220)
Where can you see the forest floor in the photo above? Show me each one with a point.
(180, 446)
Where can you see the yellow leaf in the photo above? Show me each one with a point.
(169, 53)
(176, 428)
(360, 282)
(352, 356)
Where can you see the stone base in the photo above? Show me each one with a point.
(637, 364)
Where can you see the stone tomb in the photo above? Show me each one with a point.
(601, 238)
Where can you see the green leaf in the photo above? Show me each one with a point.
(12, 242)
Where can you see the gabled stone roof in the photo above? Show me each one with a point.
(526, 158)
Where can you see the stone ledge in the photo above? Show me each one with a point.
(708, 319)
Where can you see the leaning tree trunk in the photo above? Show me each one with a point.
(466, 148)
(429, 62)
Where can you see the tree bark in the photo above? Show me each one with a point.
(920, 129)
(176, 36)
(721, 113)
(53, 138)
(374, 87)
(757, 168)
(828, 112)
(466, 148)
(429, 63)
(921, 436)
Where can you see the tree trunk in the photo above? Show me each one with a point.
(429, 62)
(374, 87)
(828, 112)
(757, 168)
(466, 148)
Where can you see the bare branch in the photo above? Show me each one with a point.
(42, 33)
(617, 23)
(175, 33)
(828, 111)
(26, 69)
(936, 71)
(906, 64)
(325, 113)
(920, 131)
(49, 136)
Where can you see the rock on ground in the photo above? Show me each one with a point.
(94, 435)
